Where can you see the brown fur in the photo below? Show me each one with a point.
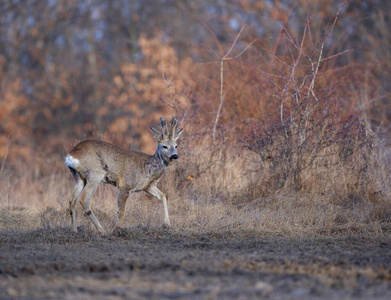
(92, 162)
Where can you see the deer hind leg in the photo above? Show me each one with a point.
(153, 190)
(121, 202)
(85, 198)
(79, 185)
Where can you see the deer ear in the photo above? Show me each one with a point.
(178, 133)
(156, 134)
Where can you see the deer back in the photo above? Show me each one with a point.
(121, 167)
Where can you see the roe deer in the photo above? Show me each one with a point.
(92, 162)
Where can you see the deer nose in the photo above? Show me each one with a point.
(174, 156)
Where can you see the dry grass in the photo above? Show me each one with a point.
(228, 224)
(229, 195)
(306, 165)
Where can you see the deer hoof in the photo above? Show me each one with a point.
(166, 226)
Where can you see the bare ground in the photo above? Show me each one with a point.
(138, 263)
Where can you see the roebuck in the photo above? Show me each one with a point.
(92, 162)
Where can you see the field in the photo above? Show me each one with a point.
(282, 248)
(141, 263)
(282, 189)
(237, 231)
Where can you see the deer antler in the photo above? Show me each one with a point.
(163, 123)
(173, 124)
(167, 134)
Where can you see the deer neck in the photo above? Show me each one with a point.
(158, 157)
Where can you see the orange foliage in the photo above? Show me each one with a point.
(65, 77)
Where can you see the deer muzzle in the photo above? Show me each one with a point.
(174, 157)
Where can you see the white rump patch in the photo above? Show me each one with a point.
(71, 162)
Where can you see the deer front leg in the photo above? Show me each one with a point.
(121, 204)
(153, 190)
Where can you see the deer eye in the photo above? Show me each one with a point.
(176, 147)
(165, 147)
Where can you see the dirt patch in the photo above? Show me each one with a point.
(135, 263)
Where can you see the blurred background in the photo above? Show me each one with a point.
(71, 70)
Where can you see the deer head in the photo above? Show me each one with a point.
(167, 146)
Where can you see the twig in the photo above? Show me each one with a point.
(221, 99)
(5, 156)
(173, 100)
(226, 57)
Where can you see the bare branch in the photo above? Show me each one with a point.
(244, 50)
(174, 102)
(234, 42)
(221, 99)
(168, 103)
(222, 59)
(336, 55)
(5, 155)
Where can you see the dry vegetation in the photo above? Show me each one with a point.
(285, 150)
(273, 147)
(236, 194)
